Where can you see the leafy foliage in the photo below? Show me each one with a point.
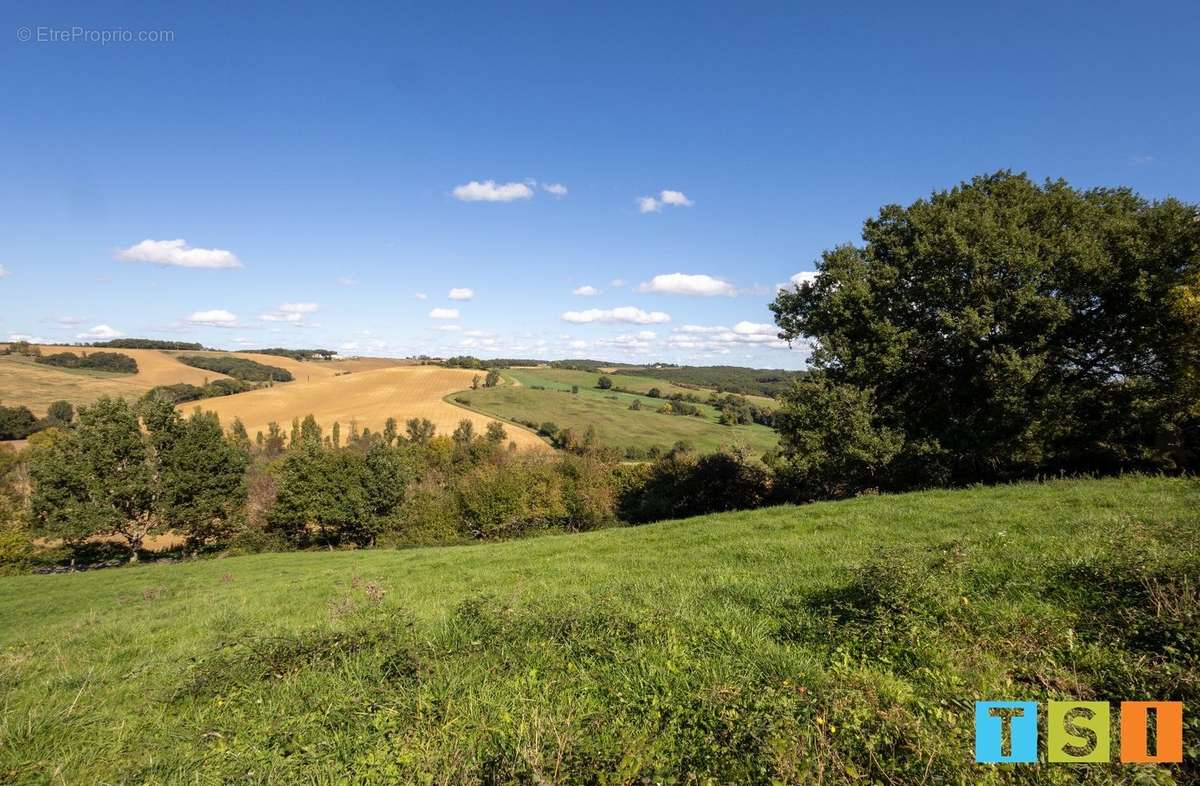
(99, 361)
(1001, 330)
(238, 368)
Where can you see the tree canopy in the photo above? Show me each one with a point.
(1002, 329)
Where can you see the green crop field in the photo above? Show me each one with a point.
(837, 643)
(608, 412)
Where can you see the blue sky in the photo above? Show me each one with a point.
(331, 152)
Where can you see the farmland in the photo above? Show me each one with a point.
(839, 642)
(27, 383)
(609, 412)
(365, 399)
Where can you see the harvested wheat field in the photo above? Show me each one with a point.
(26, 383)
(365, 398)
(303, 371)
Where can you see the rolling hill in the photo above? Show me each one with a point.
(544, 394)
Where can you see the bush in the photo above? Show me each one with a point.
(682, 484)
(17, 422)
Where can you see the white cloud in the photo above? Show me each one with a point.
(29, 338)
(461, 293)
(804, 277)
(448, 328)
(292, 313)
(755, 329)
(217, 317)
(649, 204)
(100, 331)
(675, 198)
(175, 253)
(687, 284)
(3, 271)
(578, 344)
(298, 308)
(587, 290)
(618, 282)
(558, 189)
(488, 191)
(421, 296)
(718, 339)
(628, 314)
(444, 313)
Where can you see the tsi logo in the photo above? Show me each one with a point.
(1006, 732)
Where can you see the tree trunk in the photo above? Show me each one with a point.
(134, 545)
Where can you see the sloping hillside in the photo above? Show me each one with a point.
(833, 643)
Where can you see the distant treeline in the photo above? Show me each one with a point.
(238, 368)
(147, 343)
(480, 364)
(723, 379)
(294, 354)
(99, 361)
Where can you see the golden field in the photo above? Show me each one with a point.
(24, 382)
(365, 391)
(366, 398)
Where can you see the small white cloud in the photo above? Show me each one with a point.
(489, 191)
(578, 344)
(175, 253)
(675, 198)
(421, 296)
(443, 313)
(688, 284)
(649, 204)
(217, 317)
(277, 317)
(100, 331)
(558, 189)
(618, 282)
(27, 337)
(628, 314)
(803, 277)
(3, 271)
(587, 290)
(298, 308)
(461, 293)
(448, 328)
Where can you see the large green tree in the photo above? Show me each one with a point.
(97, 479)
(1001, 329)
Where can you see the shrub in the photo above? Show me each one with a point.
(17, 422)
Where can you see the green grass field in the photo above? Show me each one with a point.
(616, 425)
(831, 643)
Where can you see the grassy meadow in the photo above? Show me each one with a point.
(608, 411)
(832, 643)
